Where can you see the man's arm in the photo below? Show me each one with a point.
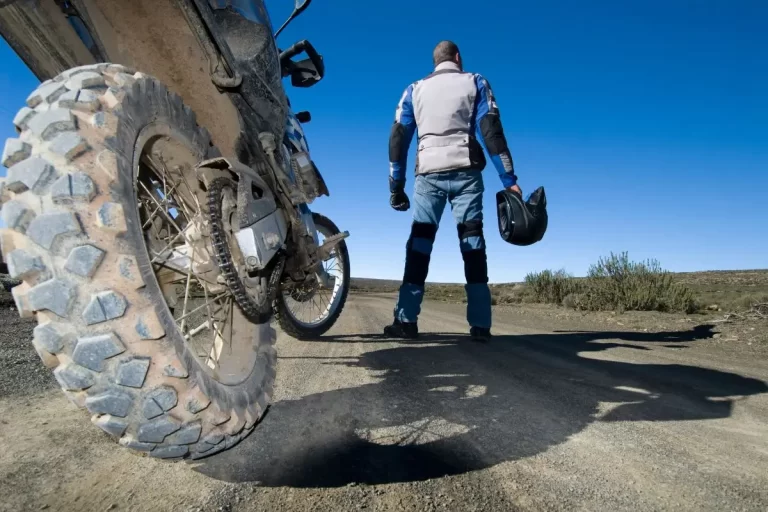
(400, 140)
(489, 129)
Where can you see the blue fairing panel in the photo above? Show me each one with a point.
(252, 10)
(294, 134)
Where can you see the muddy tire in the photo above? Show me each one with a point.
(288, 320)
(74, 237)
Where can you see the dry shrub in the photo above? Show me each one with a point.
(573, 300)
(551, 287)
(614, 283)
(509, 294)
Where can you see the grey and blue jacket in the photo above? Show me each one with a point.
(451, 110)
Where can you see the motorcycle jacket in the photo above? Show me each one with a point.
(451, 111)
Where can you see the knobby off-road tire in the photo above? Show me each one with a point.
(288, 323)
(74, 236)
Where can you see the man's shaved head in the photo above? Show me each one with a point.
(445, 51)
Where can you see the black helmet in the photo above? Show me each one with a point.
(522, 222)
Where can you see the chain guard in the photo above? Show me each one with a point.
(255, 311)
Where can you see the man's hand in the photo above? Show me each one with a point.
(515, 188)
(399, 201)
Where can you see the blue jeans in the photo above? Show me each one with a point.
(463, 190)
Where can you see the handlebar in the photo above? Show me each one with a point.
(301, 46)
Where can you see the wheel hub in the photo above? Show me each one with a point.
(303, 292)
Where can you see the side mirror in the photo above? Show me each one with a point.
(299, 6)
(305, 74)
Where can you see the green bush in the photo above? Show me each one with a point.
(551, 287)
(573, 300)
(510, 294)
(614, 283)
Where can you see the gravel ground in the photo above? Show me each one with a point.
(21, 372)
(557, 413)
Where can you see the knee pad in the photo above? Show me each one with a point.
(418, 251)
(471, 235)
(424, 230)
(422, 237)
(470, 228)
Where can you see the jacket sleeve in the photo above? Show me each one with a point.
(490, 131)
(400, 139)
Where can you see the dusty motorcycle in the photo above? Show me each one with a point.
(156, 210)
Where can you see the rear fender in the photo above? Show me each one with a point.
(295, 140)
(323, 187)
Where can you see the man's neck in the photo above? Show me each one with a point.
(447, 65)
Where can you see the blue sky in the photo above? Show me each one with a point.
(646, 123)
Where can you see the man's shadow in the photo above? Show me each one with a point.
(445, 406)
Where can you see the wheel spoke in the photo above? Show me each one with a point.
(170, 200)
(187, 315)
(159, 207)
(312, 307)
(166, 173)
(167, 215)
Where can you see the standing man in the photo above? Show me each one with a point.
(450, 109)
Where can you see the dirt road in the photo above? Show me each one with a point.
(546, 417)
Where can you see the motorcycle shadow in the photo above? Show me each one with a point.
(447, 406)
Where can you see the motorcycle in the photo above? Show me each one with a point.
(157, 243)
